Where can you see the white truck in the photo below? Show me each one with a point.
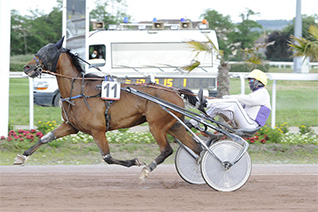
(143, 55)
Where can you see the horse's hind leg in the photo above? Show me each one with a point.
(160, 136)
(101, 141)
(178, 131)
(63, 130)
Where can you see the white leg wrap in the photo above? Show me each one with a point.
(47, 138)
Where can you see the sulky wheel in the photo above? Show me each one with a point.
(216, 175)
(187, 167)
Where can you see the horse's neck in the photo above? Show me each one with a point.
(66, 72)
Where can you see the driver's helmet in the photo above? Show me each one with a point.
(259, 75)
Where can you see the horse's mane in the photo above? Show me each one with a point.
(75, 61)
(78, 66)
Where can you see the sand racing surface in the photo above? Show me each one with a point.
(115, 188)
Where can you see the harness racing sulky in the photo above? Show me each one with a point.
(94, 105)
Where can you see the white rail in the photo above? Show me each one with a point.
(280, 65)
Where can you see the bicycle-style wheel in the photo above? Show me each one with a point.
(187, 167)
(216, 175)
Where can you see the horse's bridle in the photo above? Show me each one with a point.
(35, 70)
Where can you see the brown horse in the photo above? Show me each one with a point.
(87, 112)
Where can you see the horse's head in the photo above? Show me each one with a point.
(45, 59)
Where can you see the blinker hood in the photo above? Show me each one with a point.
(50, 54)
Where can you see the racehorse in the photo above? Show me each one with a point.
(83, 109)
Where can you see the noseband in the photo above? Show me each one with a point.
(38, 68)
(35, 70)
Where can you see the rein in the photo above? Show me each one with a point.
(69, 77)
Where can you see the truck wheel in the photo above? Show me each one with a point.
(57, 100)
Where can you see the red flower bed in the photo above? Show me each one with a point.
(22, 135)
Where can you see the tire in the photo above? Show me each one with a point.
(214, 173)
(57, 100)
(187, 167)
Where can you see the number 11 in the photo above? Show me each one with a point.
(112, 88)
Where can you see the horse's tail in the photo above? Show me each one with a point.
(189, 96)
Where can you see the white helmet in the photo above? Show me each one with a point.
(259, 75)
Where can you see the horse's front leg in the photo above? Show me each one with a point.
(63, 130)
(102, 143)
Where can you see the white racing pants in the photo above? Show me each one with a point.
(230, 110)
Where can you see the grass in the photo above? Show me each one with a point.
(19, 105)
(283, 154)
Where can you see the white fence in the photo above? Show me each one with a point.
(291, 64)
(280, 65)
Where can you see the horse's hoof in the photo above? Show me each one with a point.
(139, 162)
(144, 174)
(20, 160)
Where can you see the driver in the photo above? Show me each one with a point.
(243, 111)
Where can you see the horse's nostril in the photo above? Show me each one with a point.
(26, 67)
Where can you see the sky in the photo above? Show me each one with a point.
(145, 10)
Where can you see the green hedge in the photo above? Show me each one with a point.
(17, 67)
(247, 67)
(17, 62)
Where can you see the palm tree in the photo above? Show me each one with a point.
(199, 47)
(223, 73)
(304, 47)
(223, 79)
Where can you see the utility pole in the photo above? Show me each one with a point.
(298, 34)
(300, 65)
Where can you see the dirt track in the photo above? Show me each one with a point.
(113, 188)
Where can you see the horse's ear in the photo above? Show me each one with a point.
(59, 43)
